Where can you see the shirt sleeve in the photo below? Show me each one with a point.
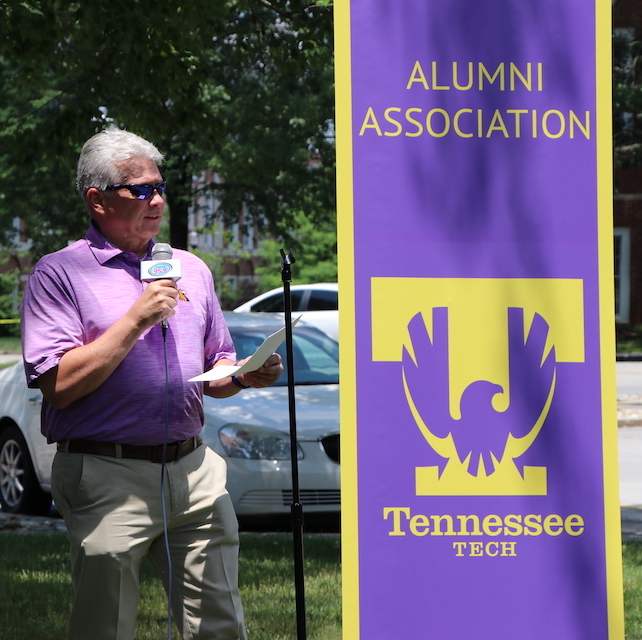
(50, 323)
(218, 341)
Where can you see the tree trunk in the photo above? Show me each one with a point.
(179, 199)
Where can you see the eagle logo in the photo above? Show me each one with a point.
(482, 442)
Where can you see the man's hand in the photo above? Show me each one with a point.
(266, 375)
(156, 303)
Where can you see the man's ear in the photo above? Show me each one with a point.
(95, 200)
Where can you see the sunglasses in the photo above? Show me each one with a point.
(140, 191)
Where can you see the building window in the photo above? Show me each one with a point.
(622, 254)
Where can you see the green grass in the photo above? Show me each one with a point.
(632, 569)
(10, 344)
(36, 588)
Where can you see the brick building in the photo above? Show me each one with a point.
(627, 220)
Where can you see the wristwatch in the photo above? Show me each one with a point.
(239, 384)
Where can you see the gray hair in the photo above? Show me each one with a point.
(104, 157)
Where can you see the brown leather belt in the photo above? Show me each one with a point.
(152, 453)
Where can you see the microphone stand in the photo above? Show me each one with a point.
(296, 507)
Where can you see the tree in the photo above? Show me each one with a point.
(627, 98)
(9, 300)
(314, 248)
(242, 87)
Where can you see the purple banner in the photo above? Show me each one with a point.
(478, 467)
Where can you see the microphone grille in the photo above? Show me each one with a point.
(162, 251)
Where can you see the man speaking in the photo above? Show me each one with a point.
(131, 477)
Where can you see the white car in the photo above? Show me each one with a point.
(25, 456)
(317, 304)
(249, 430)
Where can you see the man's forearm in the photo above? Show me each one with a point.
(83, 369)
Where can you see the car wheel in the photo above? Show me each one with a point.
(20, 491)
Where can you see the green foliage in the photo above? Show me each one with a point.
(224, 291)
(8, 294)
(627, 100)
(9, 302)
(279, 114)
(628, 338)
(314, 247)
(244, 87)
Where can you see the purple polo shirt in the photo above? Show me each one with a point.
(74, 295)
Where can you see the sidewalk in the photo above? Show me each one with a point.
(629, 392)
(6, 358)
(30, 524)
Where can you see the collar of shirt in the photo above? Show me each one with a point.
(104, 250)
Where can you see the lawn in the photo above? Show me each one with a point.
(36, 588)
(10, 344)
(632, 568)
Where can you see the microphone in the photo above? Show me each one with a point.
(162, 251)
(161, 266)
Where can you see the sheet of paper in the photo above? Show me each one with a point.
(269, 346)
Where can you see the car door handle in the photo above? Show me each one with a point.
(35, 400)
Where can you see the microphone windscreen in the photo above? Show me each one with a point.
(162, 251)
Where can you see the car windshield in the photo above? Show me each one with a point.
(316, 356)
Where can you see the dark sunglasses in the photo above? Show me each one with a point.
(140, 191)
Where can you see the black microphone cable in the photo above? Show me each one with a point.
(159, 268)
(162, 266)
(170, 573)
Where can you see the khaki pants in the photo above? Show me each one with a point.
(112, 509)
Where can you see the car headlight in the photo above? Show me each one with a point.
(256, 443)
